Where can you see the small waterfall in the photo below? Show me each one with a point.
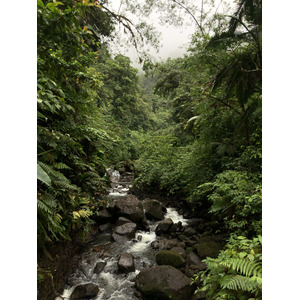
(175, 216)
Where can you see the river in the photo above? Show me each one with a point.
(114, 285)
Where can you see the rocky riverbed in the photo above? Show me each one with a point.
(144, 250)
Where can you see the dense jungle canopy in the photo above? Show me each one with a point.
(191, 126)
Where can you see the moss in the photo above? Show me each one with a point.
(168, 257)
(210, 249)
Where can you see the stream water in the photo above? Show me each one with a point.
(112, 284)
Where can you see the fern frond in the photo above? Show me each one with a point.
(61, 166)
(239, 282)
(57, 177)
(244, 266)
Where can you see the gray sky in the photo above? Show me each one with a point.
(174, 40)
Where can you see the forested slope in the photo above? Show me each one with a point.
(192, 126)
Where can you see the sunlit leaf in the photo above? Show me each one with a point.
(43, 176)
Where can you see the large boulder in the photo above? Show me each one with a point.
(153, 209)
(168, 257)
(164, 282)
(85, 291)
(124, 232)
(129, 207)
(164, 226)
(126, 263)
(208, 249)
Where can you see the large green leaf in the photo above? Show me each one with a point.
(40, 3)
(43, 176)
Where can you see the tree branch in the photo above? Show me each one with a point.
(189, 12)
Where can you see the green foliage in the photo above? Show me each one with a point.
(89, 112)
(235, 198)
(211, 150)
(235, 273)
(70, 142)
(43, 176)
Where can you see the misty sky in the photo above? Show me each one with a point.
(174, 40)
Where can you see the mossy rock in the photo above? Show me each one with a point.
(208, 249)
(171, 258)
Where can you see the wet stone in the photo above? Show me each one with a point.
(153, 209)
(193, 259)
(129, 207)
(176, 227)
(99, 267)
(164, 282)
(105, 227)
(122, 221)
(163, 226)
(124, 232)
(126, 263)
(164, 244)
(85, 291)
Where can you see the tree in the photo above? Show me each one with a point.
(70, 143)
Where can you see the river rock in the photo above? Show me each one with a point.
(179, 250)
(129, 207)
(164, 282)
(191, 270)
(145, 224)
(153, 209)
(105, 227)
(196, 238)
(164, 244)
(199, 267)
(126, 263)
(189, 231)
(122, 221)
(189, 242)
(176, 227)
(168, 257)
(124, 232)
(163, 226)
(85, 291)
(99, 267)
(208, 249)
(193, 259)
